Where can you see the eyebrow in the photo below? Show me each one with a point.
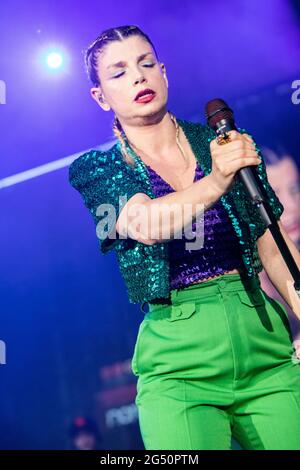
(121, 62)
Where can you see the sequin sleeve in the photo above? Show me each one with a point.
(272, 199)
(100, 178)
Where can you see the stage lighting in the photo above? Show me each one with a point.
(54, 60)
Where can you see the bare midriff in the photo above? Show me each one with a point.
(233, 271)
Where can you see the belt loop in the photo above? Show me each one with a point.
(174, 295)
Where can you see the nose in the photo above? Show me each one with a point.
(139, 79)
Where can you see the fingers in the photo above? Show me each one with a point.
(227, 159)
(231, 166)
(250, 155)
(238, 144)
(235, 135)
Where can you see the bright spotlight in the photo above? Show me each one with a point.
(54, 60)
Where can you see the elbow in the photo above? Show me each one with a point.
(136, 234)
(144, 238)
(147, 241)
(137, 227)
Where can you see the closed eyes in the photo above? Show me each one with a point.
(122, 73)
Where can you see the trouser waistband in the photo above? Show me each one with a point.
(194, 292)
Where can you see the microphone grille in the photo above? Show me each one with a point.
(216, 110)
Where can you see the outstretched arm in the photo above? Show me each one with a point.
(276, 268)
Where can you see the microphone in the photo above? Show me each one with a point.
(220, 118)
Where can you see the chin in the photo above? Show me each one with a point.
(155, 110)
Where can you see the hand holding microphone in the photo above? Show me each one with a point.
(238, 152)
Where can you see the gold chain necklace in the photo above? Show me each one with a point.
(174, 120)
(177, 138)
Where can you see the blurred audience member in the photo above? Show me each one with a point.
(284, 176)
(84, 434)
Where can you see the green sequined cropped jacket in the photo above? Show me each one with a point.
(102, 177)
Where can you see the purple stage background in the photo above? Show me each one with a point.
(69, 337)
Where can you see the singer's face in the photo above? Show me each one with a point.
(120, 83)
(285, 180)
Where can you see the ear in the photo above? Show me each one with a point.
(97, 95)
(163, 68)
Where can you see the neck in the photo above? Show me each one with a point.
(153, 135)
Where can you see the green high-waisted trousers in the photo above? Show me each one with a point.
(218, 364)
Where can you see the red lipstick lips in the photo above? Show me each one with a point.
(141, 93)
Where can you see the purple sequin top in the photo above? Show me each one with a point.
(220, 251)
